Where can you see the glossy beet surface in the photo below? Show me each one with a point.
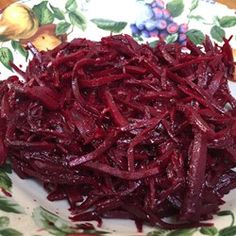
(122, 130)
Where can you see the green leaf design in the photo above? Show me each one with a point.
(10, 232)
(196, 17)
(77, 19)
(217, 33)
(9, 205)
(227, 213)
(3, 38)
(228, 231)
(227, 21)
(5, 57)
(171, 38)
(138, 38)
(62, 27)
(5, 181)
(110, 25)
(194, 5)
(182, 232)
(158, 232)
(42, 12)
(154, 43)
(176, 7)
(94, 232)
(50, 222)
(71, 5)
(4, 222)
(18, 47)
(57, 13)
(212, 231)
(7, 168)
(196, 36)
(57, 226)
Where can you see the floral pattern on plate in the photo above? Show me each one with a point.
(23, 205)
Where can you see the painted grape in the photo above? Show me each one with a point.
(156, 21)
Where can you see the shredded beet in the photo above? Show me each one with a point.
(122, 130)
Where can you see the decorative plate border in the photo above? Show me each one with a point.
(56, 22)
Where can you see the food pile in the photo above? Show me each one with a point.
(122, 130)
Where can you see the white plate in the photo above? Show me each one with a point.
(28, 195)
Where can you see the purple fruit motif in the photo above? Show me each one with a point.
(166, 14)
(134, 29)
(151, 25)
(140, 26)
(160, 4)
(161, 24)
(182, 38)
(156, 21)
(172, 28)
(183, 28)
(158, 12)
(154, 33)
(145, 33)
(163, 34)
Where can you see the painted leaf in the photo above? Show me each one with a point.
(194, 5)
(93, 232)
(196, 36)
(4, 222)
(7, 168)
(153, 44)
(10, 232)
(57, 13)
(71, 5)
(110, 25)
(176, 7)
(88, 228)
(42, 12)
(171, 38)
(51, 222)
(62, 27)
(217, 33)
(38, 11)
(227, 21)
(57, 232)
(228, 231)
(196, 17)
(9, 205)
(212, 231)
(158, 232)
(5, 181)
(227, 213)
(47, 16)
(18, 47)
(138, 38)
(5, 57)
(3, 38)
(77, 19)
(182, 232)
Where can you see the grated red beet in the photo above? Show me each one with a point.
(122, 130)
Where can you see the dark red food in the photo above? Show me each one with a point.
(122, 130)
